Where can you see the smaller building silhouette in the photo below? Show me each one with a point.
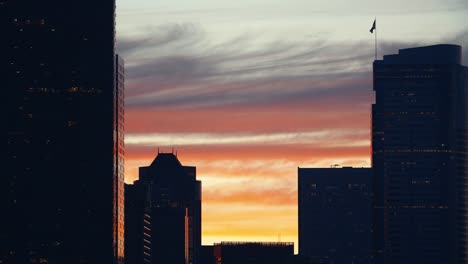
(175, 196)
(137, 224)
(335, 212)
(253, 253)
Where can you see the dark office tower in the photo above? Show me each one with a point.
(335, 213)
(137, 224)
(253, 253)
(61, 188)
(419, 156)
(175, 210)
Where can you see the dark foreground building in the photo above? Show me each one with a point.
(419, 133)
(175, 197)
(61, 189)
(335, 213)
(253, 253)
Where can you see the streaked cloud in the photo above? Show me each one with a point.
(180, 67)
(330, 138)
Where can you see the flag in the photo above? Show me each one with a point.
(373, 27)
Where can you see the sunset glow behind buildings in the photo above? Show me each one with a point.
(251, 91)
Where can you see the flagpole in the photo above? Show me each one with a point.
(374, 28)
(375, 38)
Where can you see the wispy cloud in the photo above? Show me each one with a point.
(176, 65)
(330, 138)
(166, 50)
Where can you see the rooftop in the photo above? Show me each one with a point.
(434, 54)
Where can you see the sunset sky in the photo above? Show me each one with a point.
(249, 90)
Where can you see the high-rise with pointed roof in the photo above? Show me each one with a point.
(61, 188)
(175, 210)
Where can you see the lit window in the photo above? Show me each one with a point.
(71, 123)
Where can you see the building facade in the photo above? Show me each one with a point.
(137, 224)
(175, 197)
(61, 190)
(253, 253)
(419, 129)
(207, 255)
(335, 213)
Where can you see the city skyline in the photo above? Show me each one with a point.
(250, 93)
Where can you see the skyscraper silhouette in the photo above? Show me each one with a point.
(335, 208)
(61, 189)
(419, 130)
(175, 210)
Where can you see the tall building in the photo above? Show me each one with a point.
(137, 224)
(419, 130)
(61, 189)
(253, 253)
(175, 210)
(335, 213)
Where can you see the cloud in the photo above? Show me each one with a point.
(257, 196)
(163, 36)
(255, 92)
(342, 138)
(180, 66)
(226, 163)
(177, 65)
(307, 115)
(239, 58)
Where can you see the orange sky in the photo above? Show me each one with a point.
(247, 158)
